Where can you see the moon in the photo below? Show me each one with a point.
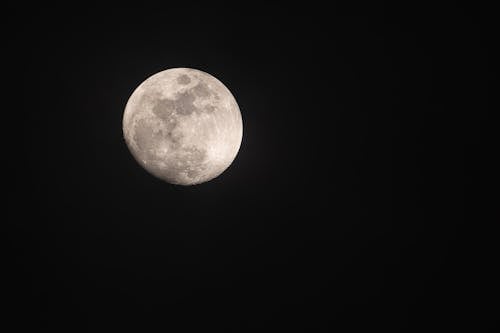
(183, 126)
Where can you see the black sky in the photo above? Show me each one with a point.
(357, 200)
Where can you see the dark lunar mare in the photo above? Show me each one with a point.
(183, 79)
(169, 111)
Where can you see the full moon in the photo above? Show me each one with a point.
(183, 126)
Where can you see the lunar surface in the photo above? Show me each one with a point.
(183, 126)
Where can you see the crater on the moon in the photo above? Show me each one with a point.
(185, 127)
(192, 161)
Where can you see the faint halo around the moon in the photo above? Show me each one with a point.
(183, 126)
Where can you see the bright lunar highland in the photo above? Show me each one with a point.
(183, 126)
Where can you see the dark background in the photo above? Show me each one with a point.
(358, 198)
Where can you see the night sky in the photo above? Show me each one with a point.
(357, 200)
